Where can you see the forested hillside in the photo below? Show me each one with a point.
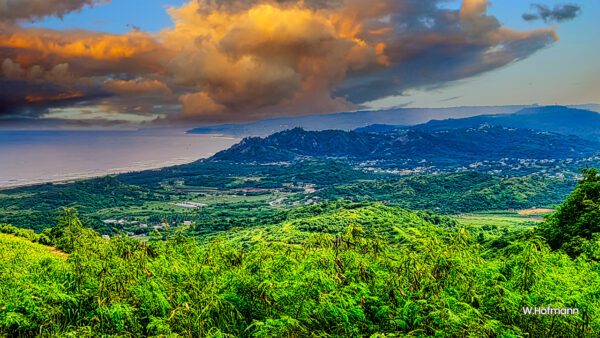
(233, 194)
(575, 227)
(450, 147)
(456, 193)
(328, 270)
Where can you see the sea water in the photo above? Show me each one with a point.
(30, 157)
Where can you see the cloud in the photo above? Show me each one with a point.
(259, 58)
(36, 9)
(253, 63)
(55, 64)
(211, 6)
(430, 47)
(245, 60)
(15, 72)
(48, 46)
(137, 87)
(560, 13)
(200, 102)
(450, 99)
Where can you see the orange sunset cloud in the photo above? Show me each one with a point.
(238, 61)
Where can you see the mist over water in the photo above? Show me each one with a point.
(28, 157)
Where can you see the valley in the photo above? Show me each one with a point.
(259, 179)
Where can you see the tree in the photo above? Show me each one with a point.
(68, 230)
(578, 218)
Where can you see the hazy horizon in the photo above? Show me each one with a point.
(186, 125)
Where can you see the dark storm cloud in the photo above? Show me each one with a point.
(291, 57)
(19, 99)
(43, 68)
(35, 9)
(559, 13)
(245, 60)
(208, 6)
(431, 48)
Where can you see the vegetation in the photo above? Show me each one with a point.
(328, 270)
(321, 248)
(25, 233)
(457, 193)
(234, 194)
(445, 148)
(575, 227)
(33, 281)
(37, 207)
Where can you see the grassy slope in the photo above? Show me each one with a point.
(14, 250)
(339, 271)
(33, 283)
(499, 218)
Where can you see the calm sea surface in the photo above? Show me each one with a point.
(28, 157)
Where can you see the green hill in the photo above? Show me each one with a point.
(457, 192)
(34, 283)
(332, 270)
(450, 147)
(575, 227)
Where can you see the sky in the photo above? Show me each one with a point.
(191, 62)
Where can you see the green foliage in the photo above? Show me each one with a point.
(25, 233)
(70, 233)
(37, 207)
(576, 225)
(34, 292)
(240, 194)
(335, 270)
(459, 192)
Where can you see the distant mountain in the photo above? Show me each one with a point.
(361, 119)
(379, 128)
(448, 146)
(592, 107)
(351, 120)
(558, 119)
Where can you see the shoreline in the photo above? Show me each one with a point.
(82, 176)
(155, 150)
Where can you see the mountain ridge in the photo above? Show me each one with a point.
(484, 142)
(349, 120)
(558, 119)
(359, 119)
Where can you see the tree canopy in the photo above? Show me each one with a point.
(575, 227)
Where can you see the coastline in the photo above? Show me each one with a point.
(82, 176)
(58, 157)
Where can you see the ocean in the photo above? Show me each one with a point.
(31, 157)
